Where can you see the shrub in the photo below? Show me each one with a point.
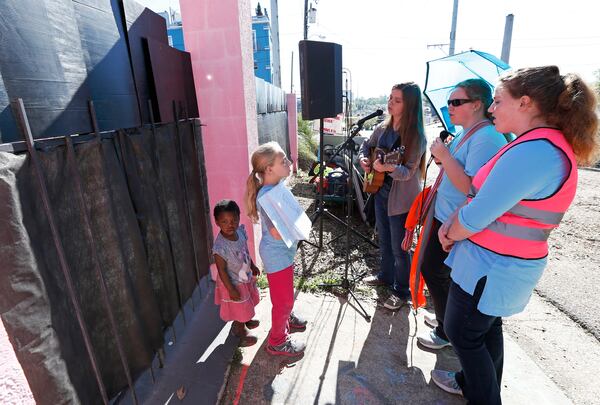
(307, 145)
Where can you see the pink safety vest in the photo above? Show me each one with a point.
(523, 230)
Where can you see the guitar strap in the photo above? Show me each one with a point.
(397, 143)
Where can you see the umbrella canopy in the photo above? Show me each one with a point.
(443, 74)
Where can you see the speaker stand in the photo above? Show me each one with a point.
(320, 209)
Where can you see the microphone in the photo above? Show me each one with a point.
(361, 121)
(443, 136)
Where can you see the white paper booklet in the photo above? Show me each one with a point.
(286, 214)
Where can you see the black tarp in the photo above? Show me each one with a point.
(42, 62)
(146, 233)
(56, 55)
(110, 78)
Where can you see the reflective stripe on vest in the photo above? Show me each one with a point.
(523, 211)
(524, 229)
(519, 232)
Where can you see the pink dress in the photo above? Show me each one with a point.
(237, 257)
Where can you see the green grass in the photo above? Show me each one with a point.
(237, 356)
(312, 284)
(261, 281)
(309, 284)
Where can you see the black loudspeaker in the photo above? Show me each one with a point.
(320, 79)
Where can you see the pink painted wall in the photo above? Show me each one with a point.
(218, 35)
(14, 388)
(293, 128)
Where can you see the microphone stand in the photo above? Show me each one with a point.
(345, 283)
(321, 210)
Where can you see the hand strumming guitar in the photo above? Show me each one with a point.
(383, 167)
(365, 163)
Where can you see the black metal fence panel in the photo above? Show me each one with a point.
(172, 79)
(274, 127)
(271, 108)
(269, 98)
(143, 23)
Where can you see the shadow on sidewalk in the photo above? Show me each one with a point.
(389, 369)
(347, 361)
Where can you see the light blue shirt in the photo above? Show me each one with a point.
(474, 153)
(531, 170)
(274, 253)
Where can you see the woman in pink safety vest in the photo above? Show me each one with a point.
(498, 239)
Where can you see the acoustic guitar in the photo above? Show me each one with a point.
(374, 179)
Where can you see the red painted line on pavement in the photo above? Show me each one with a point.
(238, 392)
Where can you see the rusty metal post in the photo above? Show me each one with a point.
(156, 158)
(104, 290)
(23, 123)
(186, 197)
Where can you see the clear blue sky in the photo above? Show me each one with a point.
(386, 41)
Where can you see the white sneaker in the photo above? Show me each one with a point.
(430, 319)
(446, 380)
(431, 340)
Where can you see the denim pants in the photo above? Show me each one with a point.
(478, 342)
(395, 262)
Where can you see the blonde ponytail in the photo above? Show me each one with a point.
(252, 187)
(261, 159)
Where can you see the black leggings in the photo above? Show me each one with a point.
(437, 276)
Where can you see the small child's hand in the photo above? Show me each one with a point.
(234, 294)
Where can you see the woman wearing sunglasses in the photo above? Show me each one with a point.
(471, 148)
(498, 240)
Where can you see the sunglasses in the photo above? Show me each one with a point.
(459, 101)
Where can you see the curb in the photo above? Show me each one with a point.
(224, 385)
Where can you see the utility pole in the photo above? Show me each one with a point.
(453, 30)
(275, 39)
(508, 27)
(292, 78)
(305, 19)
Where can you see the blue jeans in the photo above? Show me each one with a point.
(395, 262)
(478, 342)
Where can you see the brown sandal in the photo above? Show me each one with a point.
(252, 324)
(238, 330)
(248, 340)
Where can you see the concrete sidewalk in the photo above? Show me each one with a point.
(351, 361)
(197, 357)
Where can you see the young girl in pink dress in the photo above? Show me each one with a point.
(236, 291)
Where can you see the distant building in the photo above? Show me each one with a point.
(262, 45)
(174, 28)
(266, 57)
